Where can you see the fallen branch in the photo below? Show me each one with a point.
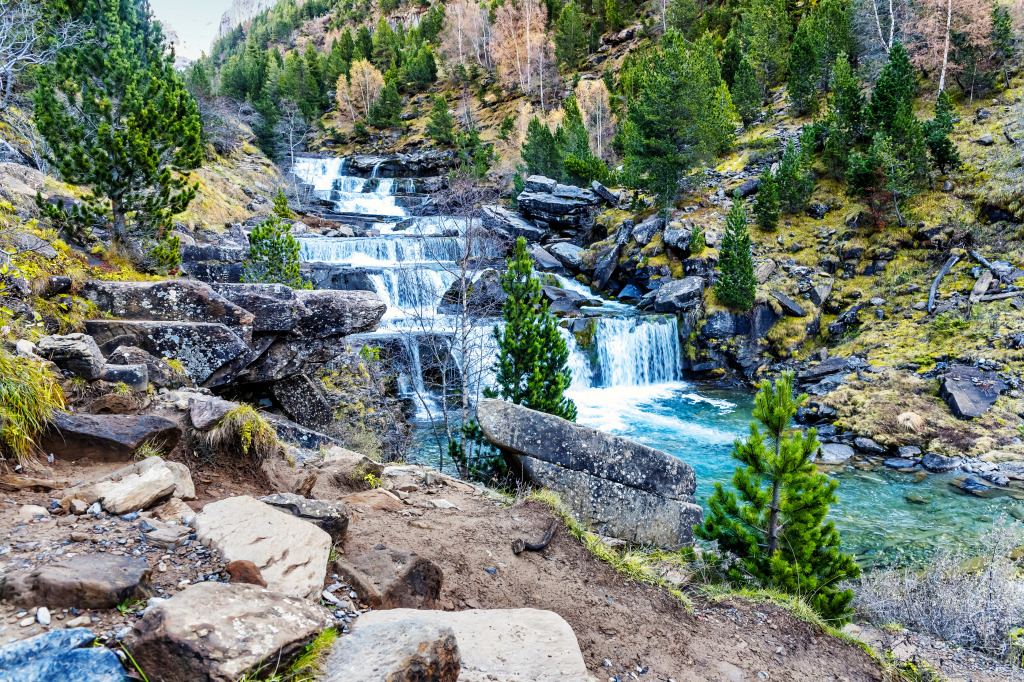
(999, 297)
(938, 279)
(981, 286)
(519, 545)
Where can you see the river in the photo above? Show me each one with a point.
(629, 381)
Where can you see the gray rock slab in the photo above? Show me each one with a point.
(165, 301)
(835, 453)
(970, 392)
(680, 295)
(60, 655)
(106, 437)
(405, 650)
(87, 581)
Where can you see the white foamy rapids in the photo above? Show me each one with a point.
(629, 351)
(349, 194)
(381, 251)
(411, 292)
(584, 290)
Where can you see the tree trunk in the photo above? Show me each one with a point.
(945, 52)
(773, 519)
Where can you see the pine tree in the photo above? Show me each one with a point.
(736, 287)
(845, 119)
(746, 93)
(540, 153)
(613, 15)
(732, 54)
(441, 126)
(795, 181)
(766, 204)
(281, 209)
(364, 44)
(804, 73)
(776, 525)
(117, 118)
(893, 92)
(570, 37)
(942, 150)
(274, 255)
(532, 355)
(385, 111)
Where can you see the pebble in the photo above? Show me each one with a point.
(43, 615)
(79, 622)
(28, 620)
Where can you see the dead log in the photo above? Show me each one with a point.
(999, 297)
(981, 286)
(519, 545)
(938, 279)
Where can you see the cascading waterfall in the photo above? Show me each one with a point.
(384, 251)
(628, 351)
(349, 194)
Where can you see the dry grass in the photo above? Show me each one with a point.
(29, 397)
(244, 435)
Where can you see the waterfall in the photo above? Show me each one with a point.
(349, 194)
(628, 351)
(411, 292)
(382, 251)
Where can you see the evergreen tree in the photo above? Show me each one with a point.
(830, 22)
(274, 255)
(441, 126)
(570, 37)
(766, 204)
(385, 111)
(844, 122)
(572, 141)
(732, 54)
(419, 72)
(347, 46)
(118, 118)
(893, 93)
(802, 85)
(532, 355)
(766, 28)
(281, 209)
(746, 93)
(197, 80)
(736, 287)
(776, 525)
(385, 50)
(540, 154)
(613, 15)
(364, 44)
(794, 177)
(942, 150)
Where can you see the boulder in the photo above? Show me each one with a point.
(940, 463)
(176, 300)
(603, 192)
(27, 242)
(835, 453)
(392, 578)
(275, 306)
(141, 485)
(606, 267)
(867, 445)
(539, 183)
(215, 632)
(764, 270)
(174, 511)
(202, 348)
(544, 261)
(74, 353)
(789, 306)
(245, 572)
(645, 231)
(679, 296)
(106, 437)
(87, 581)
(900, 463)
(304, 401)
(821, 292)
(290, 553)
(60, 655)
(509, 225)
(677, 236)
(160, 374)
(408, 650)
(748, 188)
(630, 294)
(133, 376)
(331, 516)
(624, 232)
(970, 391)
(493, 643)
(377, 499)
(206, 411)
(570, 255)
(567, 207)
(833, 365)
(338, 313)
(626, 489)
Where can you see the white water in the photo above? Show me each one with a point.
(348, 194)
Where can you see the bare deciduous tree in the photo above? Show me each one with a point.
(878, 24)
(466, 35)
(24, 42)
(293, 130)
(357, 92)
(592, 97)
(521, 47)
(936, 23)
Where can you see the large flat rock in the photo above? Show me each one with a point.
(202, 348)
(219, 632)
(970, 392)
(510, 225)
(509, 645)
(522, 431)
(290, 553)
(166, 301)
(106, 437)
(275, 306)
(88, 581)
(408, 650)
(617, 510)
(339, 313)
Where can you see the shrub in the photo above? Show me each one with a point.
(972, 600)
(274, 255)
(244, 434)
(29, 397)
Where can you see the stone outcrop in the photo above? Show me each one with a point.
(408, 650)
(622, 488)
(680, 296)
(290, 553)
(60, 655)
(89, 581)
(562, 208)
(509, 225)
(228, 334)
(214, 632)
(134, 487)
(75, 353)
(511, 645)
(106, 437)
(330, 516)
(392, 578)
(970, 391)
(304, 401)
(160, 374)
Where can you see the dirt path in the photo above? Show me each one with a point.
(626, 631)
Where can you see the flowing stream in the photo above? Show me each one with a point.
(627, 380)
